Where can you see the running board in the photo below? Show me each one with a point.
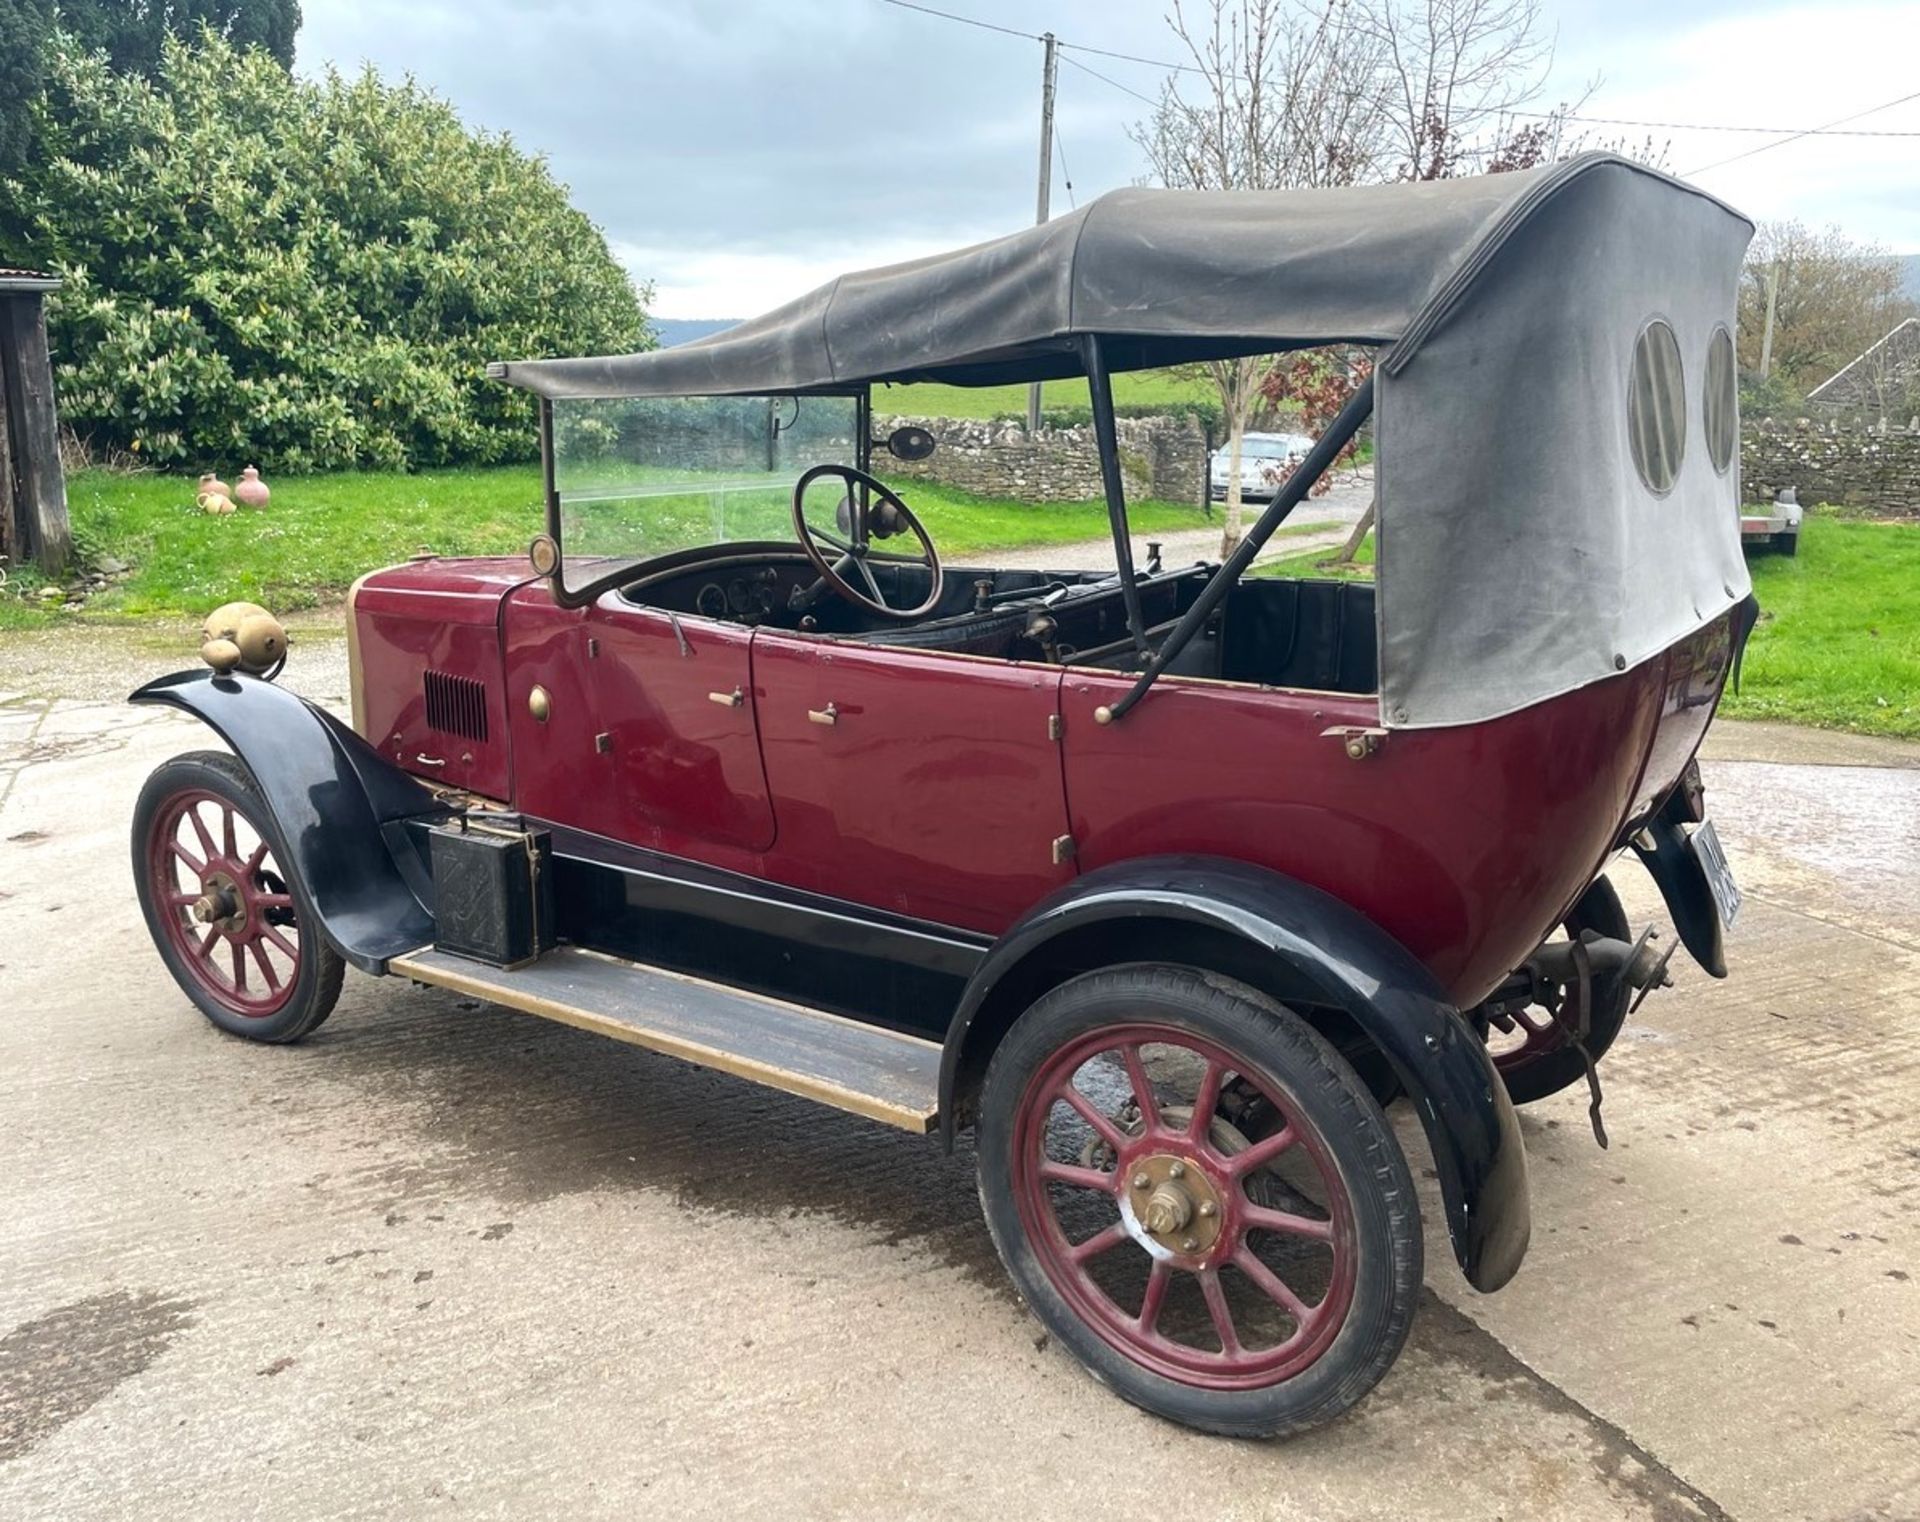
(865, 1069)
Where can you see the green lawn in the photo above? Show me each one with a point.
(321, 532)
(1133, 389)
(1838, 643)
(1318, 564)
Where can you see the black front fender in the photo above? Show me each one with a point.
(1333, 956)
(337, 803)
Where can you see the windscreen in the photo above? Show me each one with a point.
(642, 477)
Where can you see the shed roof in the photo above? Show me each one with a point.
(27, 280)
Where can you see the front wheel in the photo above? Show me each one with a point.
(226, 917)
(1199, 1199)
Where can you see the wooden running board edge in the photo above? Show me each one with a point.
(507, 987)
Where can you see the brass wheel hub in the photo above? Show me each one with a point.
(221, 903)
(1173, 1204)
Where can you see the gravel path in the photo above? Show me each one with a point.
(1339, 509)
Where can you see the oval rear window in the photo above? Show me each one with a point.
(1721, 401)
(1657, 408)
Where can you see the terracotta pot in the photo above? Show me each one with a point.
(252, 491)
(211, 482)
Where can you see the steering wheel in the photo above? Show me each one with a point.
(883, 512)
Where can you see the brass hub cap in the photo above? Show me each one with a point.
(1171, 1206)
(221, 904)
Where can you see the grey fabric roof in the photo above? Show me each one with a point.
(1172, 275)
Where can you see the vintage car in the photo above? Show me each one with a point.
(1161, 880)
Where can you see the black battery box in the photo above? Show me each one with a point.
(493, 891)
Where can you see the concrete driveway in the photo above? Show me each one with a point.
(442, 1259)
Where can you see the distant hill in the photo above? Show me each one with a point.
(679, 330)
(1910, 275)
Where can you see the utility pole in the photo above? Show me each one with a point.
(1766, 332)
(1046, 190)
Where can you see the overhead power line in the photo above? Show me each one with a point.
(1794, 137)
(985, 26)
(1623, 121)
(1826, 129)
(1106, 81)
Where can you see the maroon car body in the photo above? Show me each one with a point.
(941, 795)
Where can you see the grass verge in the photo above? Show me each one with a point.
(321, 532)
(1838, 642)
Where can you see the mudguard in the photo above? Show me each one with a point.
(1663, 850)
(1340, 959)
(338, 805)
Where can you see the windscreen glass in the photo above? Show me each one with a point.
(642, 477)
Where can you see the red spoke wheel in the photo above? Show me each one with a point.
(1200, 1199)
(1536, 1058)
(221, 905)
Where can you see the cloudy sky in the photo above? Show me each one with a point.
(739, 152)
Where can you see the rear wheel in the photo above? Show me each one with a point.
(1199, 1199)
(1787, 543)
(226, 916)
(1537, 1057)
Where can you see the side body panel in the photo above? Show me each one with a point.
(440, 617)
(933, 792)
(1462, 844)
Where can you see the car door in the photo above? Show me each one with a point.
(672, 699)
(913, 781)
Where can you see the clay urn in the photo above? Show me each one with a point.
(252, 491)
(211, 482)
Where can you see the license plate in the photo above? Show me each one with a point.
(1713, 861)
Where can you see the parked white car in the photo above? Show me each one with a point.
(1266, 460)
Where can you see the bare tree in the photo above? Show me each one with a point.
(1281, 93)
(1835, 298)
(1275, 96)
(1454, 70)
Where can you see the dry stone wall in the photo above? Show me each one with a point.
(1842, 463)
(1160, 457)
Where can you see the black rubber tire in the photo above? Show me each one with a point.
(1787, 543)
(320, 969)
(1326, 1092)
(1599, 910)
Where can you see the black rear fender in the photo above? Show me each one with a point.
(339, 806)
(1302, 947)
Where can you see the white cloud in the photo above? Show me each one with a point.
(728, 284)
(1797, 66)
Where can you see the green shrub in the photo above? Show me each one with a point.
(304, 274)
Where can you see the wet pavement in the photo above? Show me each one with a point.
(444, 1259)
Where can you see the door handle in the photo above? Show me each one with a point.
(828, 715)
(727, 699)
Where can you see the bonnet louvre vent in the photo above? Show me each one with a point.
(456, 705)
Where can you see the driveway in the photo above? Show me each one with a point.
(442, 1259)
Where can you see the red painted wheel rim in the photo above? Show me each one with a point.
(203, 851)
(1241, 1360)
(1536, 1032)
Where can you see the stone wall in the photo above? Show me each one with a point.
(1164, 458)
(1161, 458)
(1841, 463)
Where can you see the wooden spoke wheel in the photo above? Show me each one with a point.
(1536, 1057)
(221, 905)
(1200, 1199)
